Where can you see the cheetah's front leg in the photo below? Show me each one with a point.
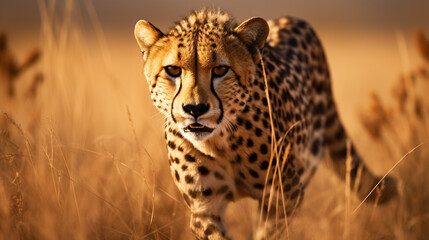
(209, 225)
(207, 199)
(207, 187)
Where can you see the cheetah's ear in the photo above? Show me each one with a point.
(253, 32)
(146, 35)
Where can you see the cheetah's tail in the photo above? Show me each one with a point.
(336, 142)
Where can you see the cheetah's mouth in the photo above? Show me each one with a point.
(196, 127)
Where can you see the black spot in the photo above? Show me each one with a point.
(290, 173)
(296, 30)
(279, 79)
(286, 95)
(266, 115)
(179, 56)
(269, 66)
(317, 124)
(213, 45)
(209, 229)
(189, 158)
(241, 174)
(255, 117)
(295, 180)
(309, 38)
(253, 173)
(302, 24)
(207, 192)
(264, 148)
(189, 179)
(273, 85)
(319, 109)
(298, 139)
(298, 68)
(240, 141)
(288, 187)
(264, 101)
(187, 200)
(203, 170)
(237, 77)
(239, 121)
(258, 186)
(301, 57)
(339, 154)
(330, 120)
(256, 95)
(315, 146)
(295, 194)
(265, 123)
(177, 176)
(218, 175)
(248, 125)
(258, 132)
(238, 158)
(197, 224)
(253, 157)
(214, 56)
(184, 167)
(292, 41)
(246, 109)
(192, 193)
(229, 196)
(264, 165)
(249, 142)
(180, 45)
(319, 87)
(180, 149)
(233, 146)
(304, 46)
(222, 190)
(340, 134)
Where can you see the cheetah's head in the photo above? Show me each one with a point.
(199, 73)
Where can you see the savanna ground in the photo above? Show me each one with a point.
(82, 154)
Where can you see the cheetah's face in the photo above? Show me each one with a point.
(199, 73)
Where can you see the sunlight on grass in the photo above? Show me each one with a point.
(82, 154)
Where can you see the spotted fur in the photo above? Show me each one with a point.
(218, 127)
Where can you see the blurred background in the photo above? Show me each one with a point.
(81, 145)
(367, 42)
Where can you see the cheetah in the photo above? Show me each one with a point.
(248, 108)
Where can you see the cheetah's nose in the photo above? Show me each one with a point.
(196, 110)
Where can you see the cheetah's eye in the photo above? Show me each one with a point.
(220, 71)
(173, 71)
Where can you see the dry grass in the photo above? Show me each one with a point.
(82, 158)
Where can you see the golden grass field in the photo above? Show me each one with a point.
(82, 154)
